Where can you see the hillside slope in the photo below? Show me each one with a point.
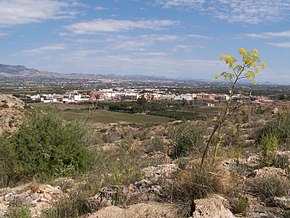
(11, 113)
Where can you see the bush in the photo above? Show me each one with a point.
(75, 206)
(18, 212)
(241, 205)
(269, 145)
(271, 186)
(198, 183)
(186, 138)
(45, 146)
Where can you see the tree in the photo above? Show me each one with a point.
(248, 68)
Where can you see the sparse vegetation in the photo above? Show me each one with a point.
(169, 150)
(186, 138)
(279, 128)
(241, 204)
(269, 145)
(273, 186)
(195, 183)
(18, 212)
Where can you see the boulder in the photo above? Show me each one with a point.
(212, 207)
(283, 202)
(142, 210)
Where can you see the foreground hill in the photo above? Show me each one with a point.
(12, 111)
(151, 170)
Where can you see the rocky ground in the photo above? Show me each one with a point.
(12, 111)
(153, 182)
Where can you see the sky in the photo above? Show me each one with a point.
(180, 39)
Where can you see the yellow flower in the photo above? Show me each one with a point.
(228, 59)
(250, 74)
(223, 57)
(257, 69)
(243, 51)
(246, 60)
(254, 81)
(255, 57)
(264, 65)
(217, 76)
(255, 51)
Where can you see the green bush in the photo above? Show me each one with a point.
(45, 146)
(241, 205)
(269, 145)
(186, 138)
(18, 212)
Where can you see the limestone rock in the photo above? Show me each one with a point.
(266, 172)
(283, 202)
(36, 197)
(213, 207)
(11, 113)
(164, 171)
(142, 210)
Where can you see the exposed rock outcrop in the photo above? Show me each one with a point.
(212, 207)
(11, 113)
(142, 210)
(36, 197)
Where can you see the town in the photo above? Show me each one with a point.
(121, 94)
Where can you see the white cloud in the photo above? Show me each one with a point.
(150, 63)
(246, 11)
(198, 36)
(13, 12)
(113, 25)
(3, 34)
(185, 48)
(285, 34)
(180, 3)
(44, 49)
(251, 11)
(280, 44)
(99, 8)
(139, 43)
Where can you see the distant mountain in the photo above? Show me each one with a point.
(18, 71)
(10, 72)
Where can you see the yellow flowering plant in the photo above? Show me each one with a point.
(247, 69)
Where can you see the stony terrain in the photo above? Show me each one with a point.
(139, 174)
(12, 111)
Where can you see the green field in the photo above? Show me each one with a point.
(103, 116)
(72, 112)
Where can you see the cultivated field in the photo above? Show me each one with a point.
(103, 116)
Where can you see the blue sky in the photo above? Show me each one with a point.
(170, 38)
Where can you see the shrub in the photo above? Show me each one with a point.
(75, 206)
(271, 186)
(198, 183)
(186, 138)
(241, 205)
(18, 212)
(269, 145)
(45, 146)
